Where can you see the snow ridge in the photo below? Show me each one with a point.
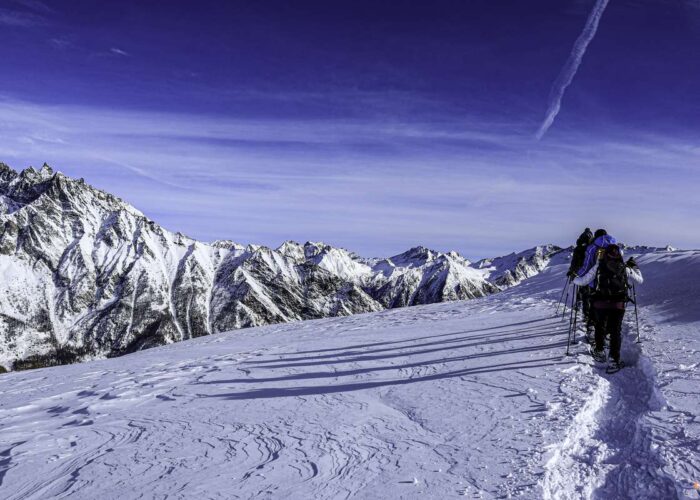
(86, 275)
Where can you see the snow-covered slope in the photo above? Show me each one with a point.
(471, 398)
(510, 270)
(85, 275)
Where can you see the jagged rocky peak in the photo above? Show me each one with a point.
(337, 261)
(86, 275)
(511, 269)
(7, 175)
(31, 185)
(314, 248)
(416, 256)
(452, 254)
(28, 185)
(45, 172)
(227, 245)
(32, 175)
(292, 250)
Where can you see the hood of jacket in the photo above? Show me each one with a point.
(604, 241)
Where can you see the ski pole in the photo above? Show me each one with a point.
(568, 341)
(566, 301)
(636, 312)
(572, 323)
(571, 310)
(566, 285)
(576, 290)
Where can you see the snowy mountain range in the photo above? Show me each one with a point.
(470, 399)
(85, 275)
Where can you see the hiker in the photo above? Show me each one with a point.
(607, 274)
(584, 295)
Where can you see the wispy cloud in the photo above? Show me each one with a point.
(35, 5)
(61, 42)
(119, 52)
(376, 187)
(20, 19)
(571, 67)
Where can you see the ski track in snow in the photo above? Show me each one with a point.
(467, 399)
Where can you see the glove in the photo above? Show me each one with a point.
(571, 274)
(631, 263)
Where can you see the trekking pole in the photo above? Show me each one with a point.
(575, 316)
(566, 285)
(566, 301)
(572, 324)
(636, 313)
(571, 310)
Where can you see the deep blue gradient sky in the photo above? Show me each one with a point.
(371, 125)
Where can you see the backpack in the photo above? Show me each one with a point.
(579, 254)
(577, 258)
(585, 239)
(611, 281)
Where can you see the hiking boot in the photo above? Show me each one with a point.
(615, 366)
(599, 355)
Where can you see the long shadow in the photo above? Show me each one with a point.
(388, 349)
(362, 371)
(333, 389)
(361, 346)
(409, 352)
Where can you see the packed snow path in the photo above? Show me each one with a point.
(467, 398)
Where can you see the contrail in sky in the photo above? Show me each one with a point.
(569, 70)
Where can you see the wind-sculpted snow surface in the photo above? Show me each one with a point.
(468, 398)
(354, 407)
(84, 275)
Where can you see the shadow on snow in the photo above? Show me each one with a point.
(532, 333)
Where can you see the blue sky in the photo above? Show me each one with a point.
(371, 125)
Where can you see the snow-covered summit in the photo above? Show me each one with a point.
(511, 269)
(84, 274)
(336, 261)
(473, 399)
(292, 250)
(414, 257)
(227, 245)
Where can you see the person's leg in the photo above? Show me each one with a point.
(588, 311)
(600, 320)
(615, 329)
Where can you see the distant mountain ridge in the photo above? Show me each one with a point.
(84, 274)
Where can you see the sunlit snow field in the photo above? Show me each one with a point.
(471, 398)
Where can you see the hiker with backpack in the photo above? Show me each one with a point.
(607, 275)
(577, 258)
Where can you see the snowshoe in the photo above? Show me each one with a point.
(590, 334)
(615, 366)
(599, 356)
